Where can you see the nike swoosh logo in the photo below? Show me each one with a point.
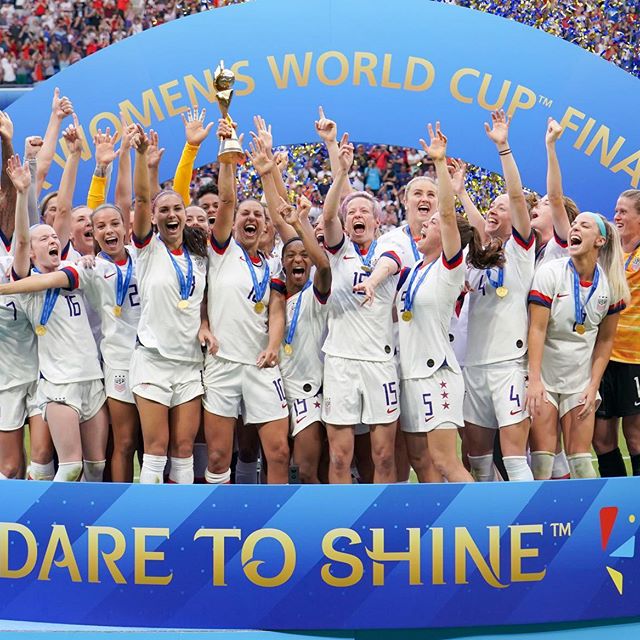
(348, 257)
(392, 410)
(299, 419)
(562, 295)
(284, 405)
(429, 418)
(514, 413)
(108, 275)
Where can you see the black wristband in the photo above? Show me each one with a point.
(504, 152)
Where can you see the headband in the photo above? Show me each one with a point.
(598, 218)
(289, 241)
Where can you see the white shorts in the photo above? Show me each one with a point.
(233, 389)
(17, 404)
(304, 412)
(168, 382)
(87, 398)
(564, 402)
(358, 391)
(116, 384)
(495, 394)
(432, 403)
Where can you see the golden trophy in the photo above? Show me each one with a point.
(230, 149)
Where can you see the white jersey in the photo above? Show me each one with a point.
(19, 355)
(118, 331)
(359, 332)
(302, 369)
(424, 340)
(497, 327)
(5, 246)
(402, 242)
(241, 332)
(164, 327)
(566, 360)
(67, 351)
(554, 249)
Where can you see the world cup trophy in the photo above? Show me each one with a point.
(230, 151)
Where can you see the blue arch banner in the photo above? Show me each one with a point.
(381, 69)
(319, 557)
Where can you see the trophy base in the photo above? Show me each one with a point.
(231, 152)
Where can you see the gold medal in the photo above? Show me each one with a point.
(501, 292)
(580, 329)
(288, 349)
(366, 268)
(407, 315)
(41, 330)
(183, 304)
(259, 307)
(117, 311)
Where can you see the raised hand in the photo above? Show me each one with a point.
(71, 136)
(264, 133)
(61, 107)
(19, 174)
(6, 126)
(288, 212)
(498, 132)
(225, 129)
(258, 156)
(326, 129)
(154, 153)
(304, 206)
(282, 160)
(458, 171)
(554, 130)
(105, 147)
(194, 129)
(140, 141)
(128, 131)
(345, 154)
(437, 147)
(32, 145)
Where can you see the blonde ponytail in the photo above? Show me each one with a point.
(610, 259)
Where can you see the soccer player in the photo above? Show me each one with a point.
(166, 367)
(575, 305)
(620, 388)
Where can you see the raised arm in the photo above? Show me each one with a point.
(32, 146)
(554, 182)
(298, 220)
(154, 156)
(20, 176)
(124, 184)
(328, 132)
(437, 150)
(263, 131)
(498, 133)
(7, 190)
(475, 218)
(60, 109)
(223, 224)
(105, 154)
(195, 133)
(333, 232)
(62, 221)
(141, 188)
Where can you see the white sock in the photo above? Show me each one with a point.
(581, 465)
(217, 478)
(93, 470)
(517, 468)
(2, 476)
(560, 466)
(246, 472)
(68, 472)
(542, 464)
(152, 469)
(482, 467)
(181, 470)
(39, 471)
(200, 460)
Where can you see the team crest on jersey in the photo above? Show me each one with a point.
(603, 301)
(200, 262)
(120, 383)
(635, 265)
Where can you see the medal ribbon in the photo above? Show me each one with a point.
(366, 260)
(496, 284)
(122, 285)
(411, 293)
(414, 246)
(183, 283)
(628, 261)
(50, 300)
(260, 288)
(296, 314)
(580, 313)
